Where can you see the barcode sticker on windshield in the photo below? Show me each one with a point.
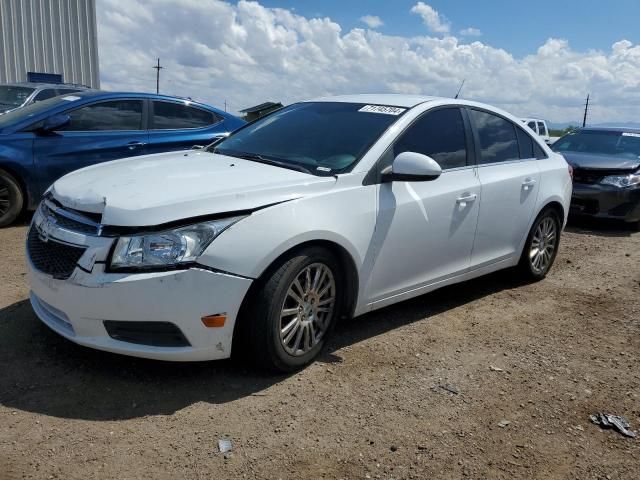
(382, 109)
(630, 134)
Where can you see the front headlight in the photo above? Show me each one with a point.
(622, 180)
(167, 248)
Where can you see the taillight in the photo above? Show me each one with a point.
(570, 171)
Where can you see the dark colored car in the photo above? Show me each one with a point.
(606, 172)
(16, 95)
(42, 142)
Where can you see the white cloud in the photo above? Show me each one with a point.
(431, 18)
(246, 54)
(372, 21)
(471, 32)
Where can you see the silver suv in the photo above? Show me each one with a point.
(16, 95)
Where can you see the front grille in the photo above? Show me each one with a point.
(52, 257)
(590, 177)
(155, 334)
(56, 216)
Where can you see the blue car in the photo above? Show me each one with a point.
(42, 142)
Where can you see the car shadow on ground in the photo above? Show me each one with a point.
(44, 373)
(602, 227)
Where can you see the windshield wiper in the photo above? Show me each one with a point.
(254, 157)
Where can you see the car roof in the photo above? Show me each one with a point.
(392, 99)
(105, 95)
(611, 129)
(42, 85)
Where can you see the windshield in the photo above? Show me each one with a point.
(603, 142)
(24, 113)
(321, 137)
(11, 96)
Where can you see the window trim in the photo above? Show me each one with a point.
(151, 125)
(516, 125)
(143, 123)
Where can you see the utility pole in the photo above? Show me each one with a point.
(225, 105)
(586, 109)
(460, 89)
(158, 68)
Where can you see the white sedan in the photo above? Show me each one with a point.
(324, 209)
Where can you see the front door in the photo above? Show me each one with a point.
(97, 133)
(425, 230)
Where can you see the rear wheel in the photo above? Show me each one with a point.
(295, 309)
(11, 199)
(541, 247)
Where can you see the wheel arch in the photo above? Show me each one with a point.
(21, 183)
(350, 272)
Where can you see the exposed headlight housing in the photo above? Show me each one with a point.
(622, 181)
(169, 248)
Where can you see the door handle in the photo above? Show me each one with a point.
(134, 145)
(528, 182)
(466, 198)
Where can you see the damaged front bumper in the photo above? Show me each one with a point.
(155, 315)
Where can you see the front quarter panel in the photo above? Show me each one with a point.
(344, 216)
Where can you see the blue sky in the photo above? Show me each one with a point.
(534, 59)
(516, 26)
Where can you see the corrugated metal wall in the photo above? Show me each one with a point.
(49, 36)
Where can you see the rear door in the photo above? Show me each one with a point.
(425, 230)
(510, 178)
(98, 132)
(179, 126)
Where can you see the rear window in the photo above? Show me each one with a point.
(175, 116)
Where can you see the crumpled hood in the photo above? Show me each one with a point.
(156, 189)
(600, 162)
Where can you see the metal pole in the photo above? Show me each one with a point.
(158, 68)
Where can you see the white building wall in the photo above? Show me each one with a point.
(49, 36)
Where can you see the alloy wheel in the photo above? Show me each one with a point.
(307, 309)
(5, 202)
(543, 245)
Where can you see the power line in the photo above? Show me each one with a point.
(158, 68)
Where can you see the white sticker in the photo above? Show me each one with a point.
(630, 134)
(323, 169)
(382, 109)
(70, 98)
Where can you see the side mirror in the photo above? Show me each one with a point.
(55, 122)
(412, 167)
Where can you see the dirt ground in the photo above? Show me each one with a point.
(381, 401)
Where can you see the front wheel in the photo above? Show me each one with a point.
(11, 199)
(294, 310)
(541, 247)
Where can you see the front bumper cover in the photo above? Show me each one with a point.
(606, 201)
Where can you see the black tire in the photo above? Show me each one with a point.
(526, 266)
(263, 325)
(11, 199)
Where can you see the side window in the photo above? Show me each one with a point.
(171, 116)
(525, 142)
(45, 94)
(538, 152)
(111, 115)
(542, 130)
(439, 134)
(532, 126)
(498, 142)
